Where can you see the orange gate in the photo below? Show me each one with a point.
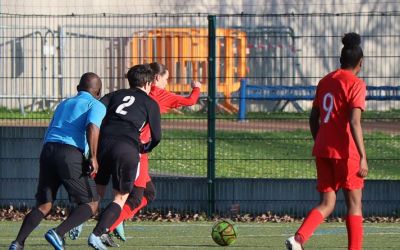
(184, 51)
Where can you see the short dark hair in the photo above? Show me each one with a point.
(139, 75)
(351, 51)
(85, 81)
(158, 68)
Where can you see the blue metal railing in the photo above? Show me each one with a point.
(300, 92)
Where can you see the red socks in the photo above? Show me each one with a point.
(143, 203)
(128, 213)
(312, 221)
(354, 224)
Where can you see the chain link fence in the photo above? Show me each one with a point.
(43, 57)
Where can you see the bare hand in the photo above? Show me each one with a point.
(94, 166)
(196, 84)
(363, 171)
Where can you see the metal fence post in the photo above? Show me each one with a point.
(242, 100)
(61, 43)
(211, 113)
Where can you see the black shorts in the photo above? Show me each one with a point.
(62, 164)
(118, 159)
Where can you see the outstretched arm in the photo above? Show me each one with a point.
(171, 100)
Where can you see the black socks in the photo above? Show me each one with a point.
(31, 221)
(78, 216)
(107, 218)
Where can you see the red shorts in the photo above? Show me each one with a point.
(143, 176)
(333, 174)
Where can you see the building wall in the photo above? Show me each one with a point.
(194, 6)
(52, 71)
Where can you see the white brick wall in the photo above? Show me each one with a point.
(194, 6)
(378, 62)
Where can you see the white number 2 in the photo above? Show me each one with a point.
(128, 101)
(327, 104)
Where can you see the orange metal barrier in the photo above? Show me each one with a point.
(184, 51)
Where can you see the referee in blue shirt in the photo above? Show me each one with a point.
(73, 131)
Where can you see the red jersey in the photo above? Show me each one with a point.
(167, 101)
(337, 94)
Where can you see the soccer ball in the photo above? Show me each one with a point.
(224, 232)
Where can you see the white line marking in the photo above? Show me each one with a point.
(205, 237)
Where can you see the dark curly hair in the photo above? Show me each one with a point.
(351, 51)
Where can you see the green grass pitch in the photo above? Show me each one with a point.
(283, 154)
(196, 235)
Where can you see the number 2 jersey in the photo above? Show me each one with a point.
(128, 111)
(337, 94)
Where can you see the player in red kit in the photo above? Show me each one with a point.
(341, 162)
(144, 191)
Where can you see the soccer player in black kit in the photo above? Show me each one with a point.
(128, 111)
